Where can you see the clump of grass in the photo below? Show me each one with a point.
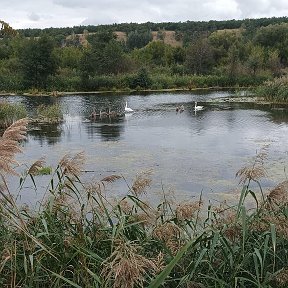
(10, 113)
(80, 238)
(274, 90)
(49, 113)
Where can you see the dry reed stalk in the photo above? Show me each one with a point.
(110, 178)
(125, 267)
(256, 170)
(228, 223)
(141, 182)
(125, 206)
(281, 278)
(170, 234)
(279, 194)
(71, 164)
(36, 166)
(9, 145)
(186, 211)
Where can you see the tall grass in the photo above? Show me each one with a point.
(10, 112)
(49, 113)
(80, 238)
(274, 91)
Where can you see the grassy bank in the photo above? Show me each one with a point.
(274, 91)
(80, 236)
(136, 82)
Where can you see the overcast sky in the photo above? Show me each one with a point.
(68, 13)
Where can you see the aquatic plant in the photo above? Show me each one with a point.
(49, 113)
(80, 236)
(10, 112)
(275, 90)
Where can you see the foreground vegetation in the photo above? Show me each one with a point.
(80, 236)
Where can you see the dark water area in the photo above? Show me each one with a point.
(188, 153)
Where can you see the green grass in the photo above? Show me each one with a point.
(11, 112)
(274, 91)
(49, 113)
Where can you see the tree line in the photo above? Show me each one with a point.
(214, 53)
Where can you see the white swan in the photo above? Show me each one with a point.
(197, 107)
(127, 109)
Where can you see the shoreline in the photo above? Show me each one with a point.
(64, 93)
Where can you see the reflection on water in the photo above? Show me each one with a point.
(45, 134)
(189, 152)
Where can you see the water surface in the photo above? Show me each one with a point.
(187, 152)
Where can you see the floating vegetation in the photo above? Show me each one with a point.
(48, 114)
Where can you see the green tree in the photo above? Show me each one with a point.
(141, 80)
(233, 61)
(276, 37)
(199, 57)
(137, 39)
(68, 57)
(6, 29)
(38, 62)
(273, 62)
(255, 60)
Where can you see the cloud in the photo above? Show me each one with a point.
(68, 13)
(262, 8)
(34, 17)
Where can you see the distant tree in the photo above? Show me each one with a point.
(233, 61)
(255, 60)
(199, 57)
(156, 53)
(103, 56)
(138, 40)
(141, 80)
(276, 37)
(273, 62)
(68, 57)
(178, 55)
(222, 41)
(38, 61)
(6, 29)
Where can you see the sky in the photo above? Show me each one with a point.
(68, 13)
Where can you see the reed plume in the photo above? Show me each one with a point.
(9, 145)
(256, 170)
(71, 165)
(126, 268)
(36, 166)
(187, 210)
(142, 181)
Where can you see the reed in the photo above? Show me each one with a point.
(79, 237)
(275, 90)
(10, 113)
(49, 113)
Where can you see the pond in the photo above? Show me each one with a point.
(188, 153)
